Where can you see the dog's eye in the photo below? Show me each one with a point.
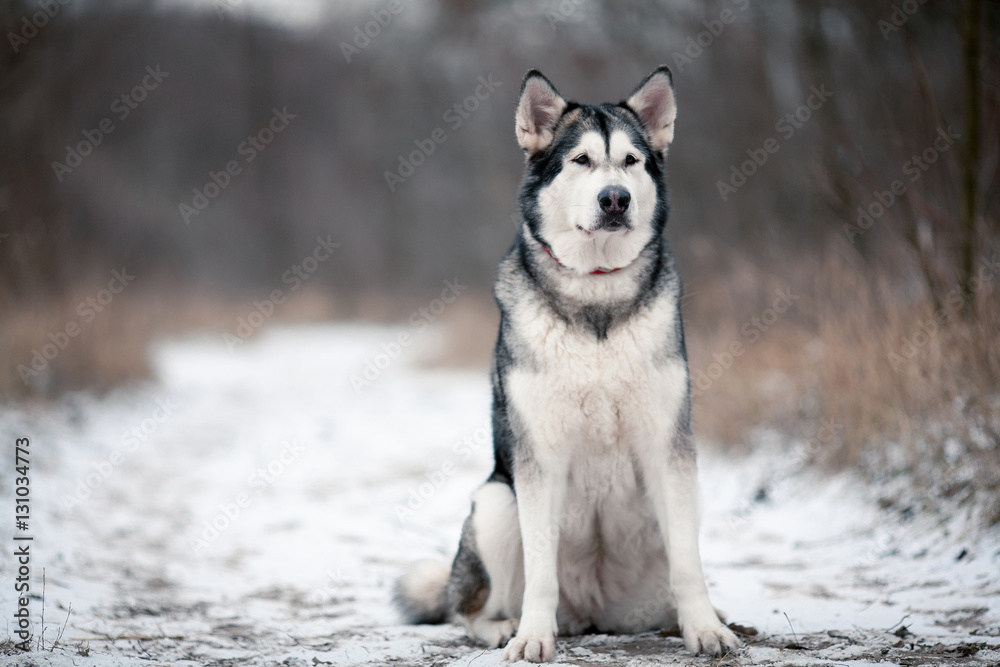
(582, 160)
(630, 160)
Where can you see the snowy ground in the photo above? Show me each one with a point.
(320, 494)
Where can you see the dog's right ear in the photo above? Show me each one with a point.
(538, 111)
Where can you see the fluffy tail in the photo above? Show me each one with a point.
(419, 594)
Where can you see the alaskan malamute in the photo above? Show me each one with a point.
(589, 521)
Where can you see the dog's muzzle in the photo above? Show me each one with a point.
(614, 201)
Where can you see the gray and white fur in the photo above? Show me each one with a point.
(589, 521)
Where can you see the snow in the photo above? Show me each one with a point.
(320, 493)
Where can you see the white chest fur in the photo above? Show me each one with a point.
(583, 394)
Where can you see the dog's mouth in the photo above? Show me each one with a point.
(611, 224)
(614, 223)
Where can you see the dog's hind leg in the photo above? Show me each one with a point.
(487, 580)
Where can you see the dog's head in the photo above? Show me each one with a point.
(593, 193)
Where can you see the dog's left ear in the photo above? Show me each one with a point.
(653, 101)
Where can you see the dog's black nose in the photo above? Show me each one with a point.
(613, 199)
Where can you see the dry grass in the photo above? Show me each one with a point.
(110, 347)
(913, 384)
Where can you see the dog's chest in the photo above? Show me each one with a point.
(582, 391)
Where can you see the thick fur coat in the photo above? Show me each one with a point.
(589, 520)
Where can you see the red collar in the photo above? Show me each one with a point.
(593, 273)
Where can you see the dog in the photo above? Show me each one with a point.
(589, 521)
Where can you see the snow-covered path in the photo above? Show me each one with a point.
(253, 507)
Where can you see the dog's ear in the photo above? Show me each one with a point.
(538, 111)
(653, 101)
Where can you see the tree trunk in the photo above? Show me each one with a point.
(970, 156)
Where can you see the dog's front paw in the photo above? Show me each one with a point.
(531, 647)
(710, 637)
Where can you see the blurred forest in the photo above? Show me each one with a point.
(796, 119)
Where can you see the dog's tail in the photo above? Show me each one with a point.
(420, 594)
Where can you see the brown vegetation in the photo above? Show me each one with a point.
(911, 387)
